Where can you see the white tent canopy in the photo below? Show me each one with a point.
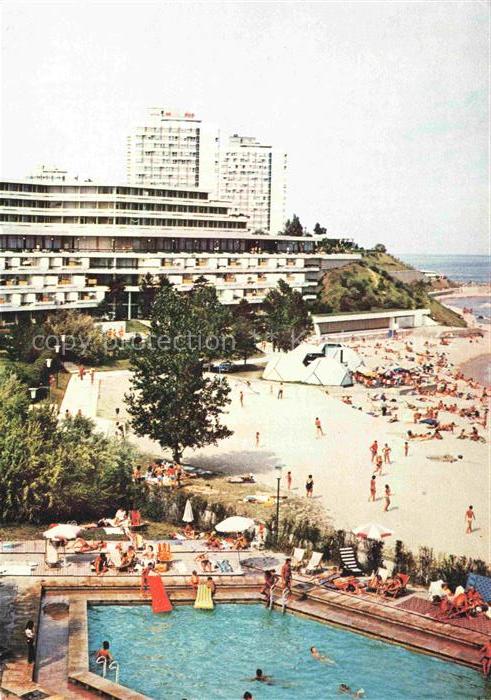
(63, 532)
(326, 370)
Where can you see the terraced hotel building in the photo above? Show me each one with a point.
(62, 244)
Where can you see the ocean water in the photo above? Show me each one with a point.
(198, 654)
(481, 306)
(459, 268)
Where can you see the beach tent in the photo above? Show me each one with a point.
(188, 515)
(326, 371)
(345, 355)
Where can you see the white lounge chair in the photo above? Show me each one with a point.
(297, 557)
(314, 563)
(348, 561)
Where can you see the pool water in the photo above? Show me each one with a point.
(199, 654)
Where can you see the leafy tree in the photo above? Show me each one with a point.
(52, 471)
(244, 330)
(171, 400)
(19, 343)
(149, 287)
(380, 248)
(319, 230)
(293, 227)
(287, 318)
(84, 340)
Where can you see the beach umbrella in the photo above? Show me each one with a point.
(234, 524)
(188, 515)
(372, 531)
(63, 532)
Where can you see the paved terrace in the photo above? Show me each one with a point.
(62, 655)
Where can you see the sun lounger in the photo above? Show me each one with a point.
(297, 558)
(163, 552)
(348, 561)
(314, 563)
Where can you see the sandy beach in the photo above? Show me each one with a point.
(430, 496)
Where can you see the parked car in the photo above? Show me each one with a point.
(224, 367)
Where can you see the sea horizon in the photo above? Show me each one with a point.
(468, 268)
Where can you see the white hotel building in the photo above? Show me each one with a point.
(252, 176)
(62, 244)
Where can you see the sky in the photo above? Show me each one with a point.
(382, 107)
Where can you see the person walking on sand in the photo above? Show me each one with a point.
(374, 450)
(387, 452)
(289, 480)
(406, 449)
(280, 391)
(387, 495)
(318, 428)
(257, 439)
(378, 465)
(469, 517)
(309, 487)
(92, 376)
(241, 398)
(373, 488)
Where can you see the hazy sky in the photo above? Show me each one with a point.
(382, 107)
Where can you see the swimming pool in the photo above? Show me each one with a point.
(198, 654)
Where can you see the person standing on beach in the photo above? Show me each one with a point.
(378, 465)
(92, 375)
(387, 452)
(387, 495)
(309, 487)
(241, 398)
(289, 480)
(373, 488)
(257, 439)
(318, 428)
(406, 449)
(374, 450)
(469, 517)
(280, 391)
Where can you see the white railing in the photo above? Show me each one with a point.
(112, 666)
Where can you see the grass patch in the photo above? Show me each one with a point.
(135, 326)
(445, 316)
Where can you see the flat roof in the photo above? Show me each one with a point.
(349, 316)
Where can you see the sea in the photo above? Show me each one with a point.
(459, 268)
(467, 269)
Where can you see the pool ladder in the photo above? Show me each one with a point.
(113, 666)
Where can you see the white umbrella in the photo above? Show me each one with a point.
(63, 532)
(372, 531)
(234, 524)
(188, 516)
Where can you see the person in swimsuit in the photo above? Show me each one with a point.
(314, 652)
(30, 641)
(373, 488)
(309, 486)
(104, 653)
(387, 495)
(378, 464)
(194, 581)
(289, 480)
(386, 451)
(318, 428)
(469, 517)
(374, 450)
(485, 652)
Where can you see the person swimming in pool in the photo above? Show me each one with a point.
(315, 653)
(261, 677)
(345, 689)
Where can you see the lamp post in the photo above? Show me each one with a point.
(49, 362)
(57, 350)
(278, 479)
(34, 390)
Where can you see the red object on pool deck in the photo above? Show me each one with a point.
(160, 599)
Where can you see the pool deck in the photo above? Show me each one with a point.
(62, 664)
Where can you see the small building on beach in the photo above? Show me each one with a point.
(390, 320)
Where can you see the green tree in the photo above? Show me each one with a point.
(244, 330)
(19, 341)
(287, 319)
(293, 227)
(54, 471)
(319, 230)
(84, 340)
(380, 248)
(171, 400)
(149, 287)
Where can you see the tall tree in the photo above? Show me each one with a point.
(171, 400)
(149, 287)
(244, 328)
(293, 227)
(287, 318)
(319, 230)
